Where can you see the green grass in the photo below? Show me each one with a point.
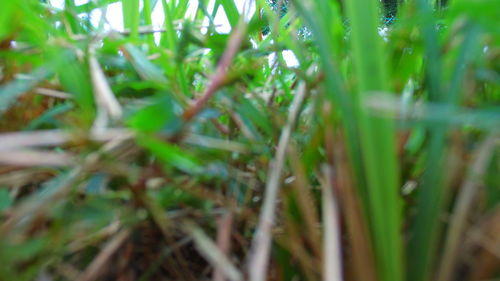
(377, 141)
(204, 155)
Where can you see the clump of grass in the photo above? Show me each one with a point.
(179, 152)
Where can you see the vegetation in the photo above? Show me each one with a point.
(186, 153)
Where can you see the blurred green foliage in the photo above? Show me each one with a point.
(116, 142)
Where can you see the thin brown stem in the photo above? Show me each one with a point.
(220, 74)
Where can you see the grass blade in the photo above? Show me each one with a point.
(148, 8)
(261, 244)
(214, 255)
(425, 231)
(378, 142)
(131, 17)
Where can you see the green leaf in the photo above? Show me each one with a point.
(170, 154)
(159, 116)
(75, 79)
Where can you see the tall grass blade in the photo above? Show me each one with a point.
(431, 201)
(334, 86)
(131, 17)
(231, 10)
(148, 8)
(378, 142)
